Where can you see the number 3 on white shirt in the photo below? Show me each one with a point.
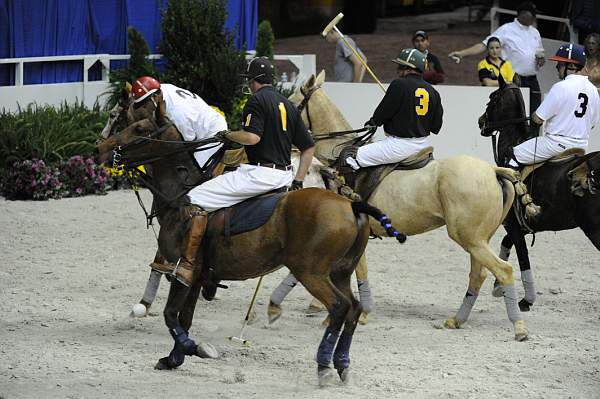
(423, 106)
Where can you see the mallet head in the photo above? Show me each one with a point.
(332, 24)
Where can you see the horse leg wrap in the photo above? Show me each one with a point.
(325, 352)
(364, 292)
(527, 278)
(283, 289)
(151, 287)
(188, 346)
(504, 253)
(341, 357)
(467, 305)
(174, 360)
(510, 300)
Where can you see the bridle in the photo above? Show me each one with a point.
(330, 135)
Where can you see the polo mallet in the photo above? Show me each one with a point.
(241, 339)
(332, 25)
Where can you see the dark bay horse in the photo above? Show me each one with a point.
(318, 235)
(566, 191)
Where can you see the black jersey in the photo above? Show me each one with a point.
(277, 121)
(411, 107)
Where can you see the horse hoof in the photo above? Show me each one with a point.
(163, 364)
(344, 375)
(274, 312)
(452, 323)
(498, 291)
(315, 307)
(524, 305)
(521, 333)
(325, 322)
(207, 351)
(363, 319)
(326, 376)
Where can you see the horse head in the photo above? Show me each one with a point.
(320, 115)
(117, 117)
(505, 114)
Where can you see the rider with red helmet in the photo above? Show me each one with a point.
(571, 108)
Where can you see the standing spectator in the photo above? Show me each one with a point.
(493, 66)
(522, 46)
(434, 73)
(592, 52)
(346, 67)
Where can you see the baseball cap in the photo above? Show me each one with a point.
(421, 33)
(527, 6)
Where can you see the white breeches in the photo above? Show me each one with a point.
(547, 147)
(389, 150)
(245, 182)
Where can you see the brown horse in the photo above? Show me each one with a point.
(468, 195)
(318, 235)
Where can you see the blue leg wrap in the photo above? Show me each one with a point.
(341, 357)
(188, 346)
(325, 352)
(176, 357)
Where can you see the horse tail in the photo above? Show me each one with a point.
(509, 178)
(364, 207)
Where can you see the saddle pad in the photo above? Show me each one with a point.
(252, 213)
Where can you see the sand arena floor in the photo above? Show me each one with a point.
(73, 268)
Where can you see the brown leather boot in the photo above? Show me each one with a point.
(184, 269)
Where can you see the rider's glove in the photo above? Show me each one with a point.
(296, 185)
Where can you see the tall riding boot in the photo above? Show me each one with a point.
(184, 272)
(184, 269)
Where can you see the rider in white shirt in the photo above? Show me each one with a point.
(571, 109)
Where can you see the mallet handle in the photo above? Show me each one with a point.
(359, 58)
(252, 301)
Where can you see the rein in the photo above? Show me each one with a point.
(330, 135)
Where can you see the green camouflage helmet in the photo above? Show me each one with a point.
(412, 58)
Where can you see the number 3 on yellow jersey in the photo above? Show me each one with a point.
(423, 106)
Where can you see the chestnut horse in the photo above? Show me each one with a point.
(468, 195)
(318, 235)
(567, 191)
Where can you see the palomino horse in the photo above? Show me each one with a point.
(469, 196)
(318, 235)
(566, 191)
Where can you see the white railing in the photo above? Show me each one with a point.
(90, 91)
(495, 20)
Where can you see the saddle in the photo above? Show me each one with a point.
(559, 159)
(245, 216)
(368, 179)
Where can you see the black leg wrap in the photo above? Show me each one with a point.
(524, 305)
(174, 360)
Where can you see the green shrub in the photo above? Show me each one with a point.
(200, 52)
(48, 133)
(138, 65)
(264, 40)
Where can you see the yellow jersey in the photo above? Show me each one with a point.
(489, 70)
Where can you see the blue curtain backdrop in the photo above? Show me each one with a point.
(32, 28)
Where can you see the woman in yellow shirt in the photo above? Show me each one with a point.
(493, 65)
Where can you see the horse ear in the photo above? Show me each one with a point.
(320, 78)
(501, 81)
(310, 82)
(127, 87)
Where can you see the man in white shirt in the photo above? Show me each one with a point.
(570, 110)
(522, 46)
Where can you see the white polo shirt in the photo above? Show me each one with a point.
(519, 43)
(571, 108)
(194, 118)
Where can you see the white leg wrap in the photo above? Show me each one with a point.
(151, 287)
(467, 305)
(364, 292)
(283, 289)
(504, 253)
(527, 278)
(510, 300)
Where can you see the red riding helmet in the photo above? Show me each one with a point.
(143, 87)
